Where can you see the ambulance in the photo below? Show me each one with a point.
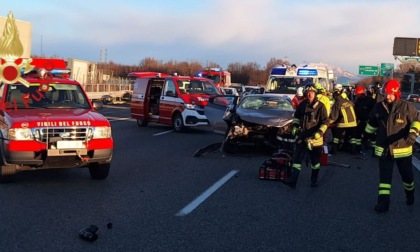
(286, 79)
(170, 99)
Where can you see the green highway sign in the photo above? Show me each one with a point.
(415, 59)
(387, 69)
(369, 70)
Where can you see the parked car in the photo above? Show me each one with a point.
(260, 119)
(413, 98)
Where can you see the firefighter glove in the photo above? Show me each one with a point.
(411, 139)
(294, 131)
(318, 134)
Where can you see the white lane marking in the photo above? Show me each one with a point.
(416, 163)
(200, 199)
(162, 133)
(112, 119)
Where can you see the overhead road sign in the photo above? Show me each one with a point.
(414, 59)
(406, 46)
(387, 69)
(369, 70)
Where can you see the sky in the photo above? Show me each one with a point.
(341, 33)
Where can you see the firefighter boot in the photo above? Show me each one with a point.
(353, 149)
(314, 177)
(383, 204)
(409, 195)
(292, 180)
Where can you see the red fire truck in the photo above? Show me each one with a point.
(217, 75)
(47, 121)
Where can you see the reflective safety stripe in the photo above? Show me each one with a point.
(323, 128)
(297, 166)
(416, 125)
(370, 129)
(384, 192)
(379, 151)
(336, 140)
(316, 167)
(353, 141)
(383, 185)
(296, 121)
(409, 187)
(402, 152)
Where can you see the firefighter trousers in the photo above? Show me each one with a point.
(405, 169)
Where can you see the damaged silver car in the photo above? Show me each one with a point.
(258, 119)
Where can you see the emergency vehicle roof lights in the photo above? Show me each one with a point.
(307, 72)
(278, 71)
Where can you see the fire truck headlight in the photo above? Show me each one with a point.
(101, 132)
(20, 134)
(190, 106)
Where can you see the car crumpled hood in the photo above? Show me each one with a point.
(274, 118)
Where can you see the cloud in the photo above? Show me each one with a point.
(340, 33)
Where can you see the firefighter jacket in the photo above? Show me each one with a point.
(342, 113)
(324, 99)
(392, 123)
(312, 120)
(363, 105)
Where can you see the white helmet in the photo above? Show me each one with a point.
(299, 91)
(338, 87)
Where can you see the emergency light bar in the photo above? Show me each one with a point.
(278, 71)
(307, 72)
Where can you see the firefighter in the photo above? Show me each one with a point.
(377, 92)
(397, 124)
(322, 96)
(309, 125)
(298, 98)
(343, 118)
(362, 107)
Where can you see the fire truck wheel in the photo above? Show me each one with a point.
(7, 173)
(178, 123)
(141, 123)
(99, 171)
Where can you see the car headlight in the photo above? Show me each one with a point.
(20, 134)
(190, 106)
(101, 132)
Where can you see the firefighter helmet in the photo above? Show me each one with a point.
(392, 87)
(360, 90)
(310, 87)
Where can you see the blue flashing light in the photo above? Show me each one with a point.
(278, 71)
(307, 72)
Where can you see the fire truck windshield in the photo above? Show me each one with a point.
(197, 87)
(46, 96)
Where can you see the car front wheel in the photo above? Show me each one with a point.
(178, 123)
(7, 173)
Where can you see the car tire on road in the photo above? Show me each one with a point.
(141, 123)
(99, 171)
(7, 173)
(178, 123)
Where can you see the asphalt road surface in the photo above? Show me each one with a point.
(160, 198)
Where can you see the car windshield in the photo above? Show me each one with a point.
(260, 102)
(197, 87)
(52, 95)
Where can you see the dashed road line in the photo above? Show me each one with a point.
(200, 199)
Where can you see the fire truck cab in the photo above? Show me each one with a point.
(217, 75)
(47, 121)
(172, 100)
